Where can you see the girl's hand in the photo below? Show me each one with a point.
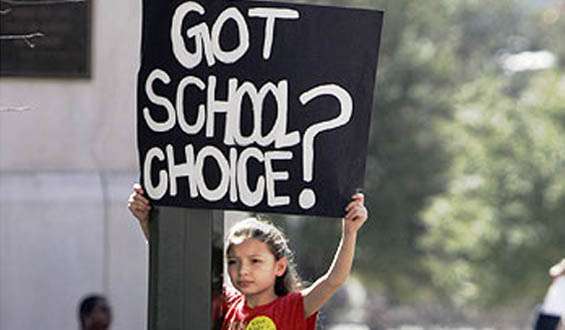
(323, 289)
(139, 205)
(356, 214)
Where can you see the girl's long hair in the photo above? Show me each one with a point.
(277, 242)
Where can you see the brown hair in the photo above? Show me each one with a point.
(277, 242)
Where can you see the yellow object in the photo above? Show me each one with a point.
(261, 323)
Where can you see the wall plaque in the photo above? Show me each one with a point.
(45, 38)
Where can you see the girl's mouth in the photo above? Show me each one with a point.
(244, 284)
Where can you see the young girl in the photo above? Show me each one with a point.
(268, 293)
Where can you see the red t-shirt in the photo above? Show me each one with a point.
(284, 313)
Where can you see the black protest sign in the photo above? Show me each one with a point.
(255, 106)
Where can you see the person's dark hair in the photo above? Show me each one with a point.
(269, 234)
(88, 304)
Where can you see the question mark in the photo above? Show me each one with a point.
(307, 197)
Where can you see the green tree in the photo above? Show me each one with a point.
(415, 80)
(432, 57)
(492, 235)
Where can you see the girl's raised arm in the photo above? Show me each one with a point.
(323, 289)
(139, 206)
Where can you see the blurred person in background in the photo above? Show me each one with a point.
(551, 313)
(94, 313)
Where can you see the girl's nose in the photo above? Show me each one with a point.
(243, 269)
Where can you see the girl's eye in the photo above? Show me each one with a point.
(231, 262)
(255, 261)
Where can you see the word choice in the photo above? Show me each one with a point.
(233, 174)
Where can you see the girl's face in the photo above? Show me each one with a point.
(253, 270)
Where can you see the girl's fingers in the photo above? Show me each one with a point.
(355, 202)
(351, 205)
(141, 205)
(359, 196)
(360, 213)
(136, 205)
(350, 211)
(132, 201)
(139, 212)
(137, 187)
(137, 195)
(356, 213)
(142, 211)
(140, 199)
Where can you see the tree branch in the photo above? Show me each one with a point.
(25, 37)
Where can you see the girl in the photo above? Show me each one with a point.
(268, 293)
